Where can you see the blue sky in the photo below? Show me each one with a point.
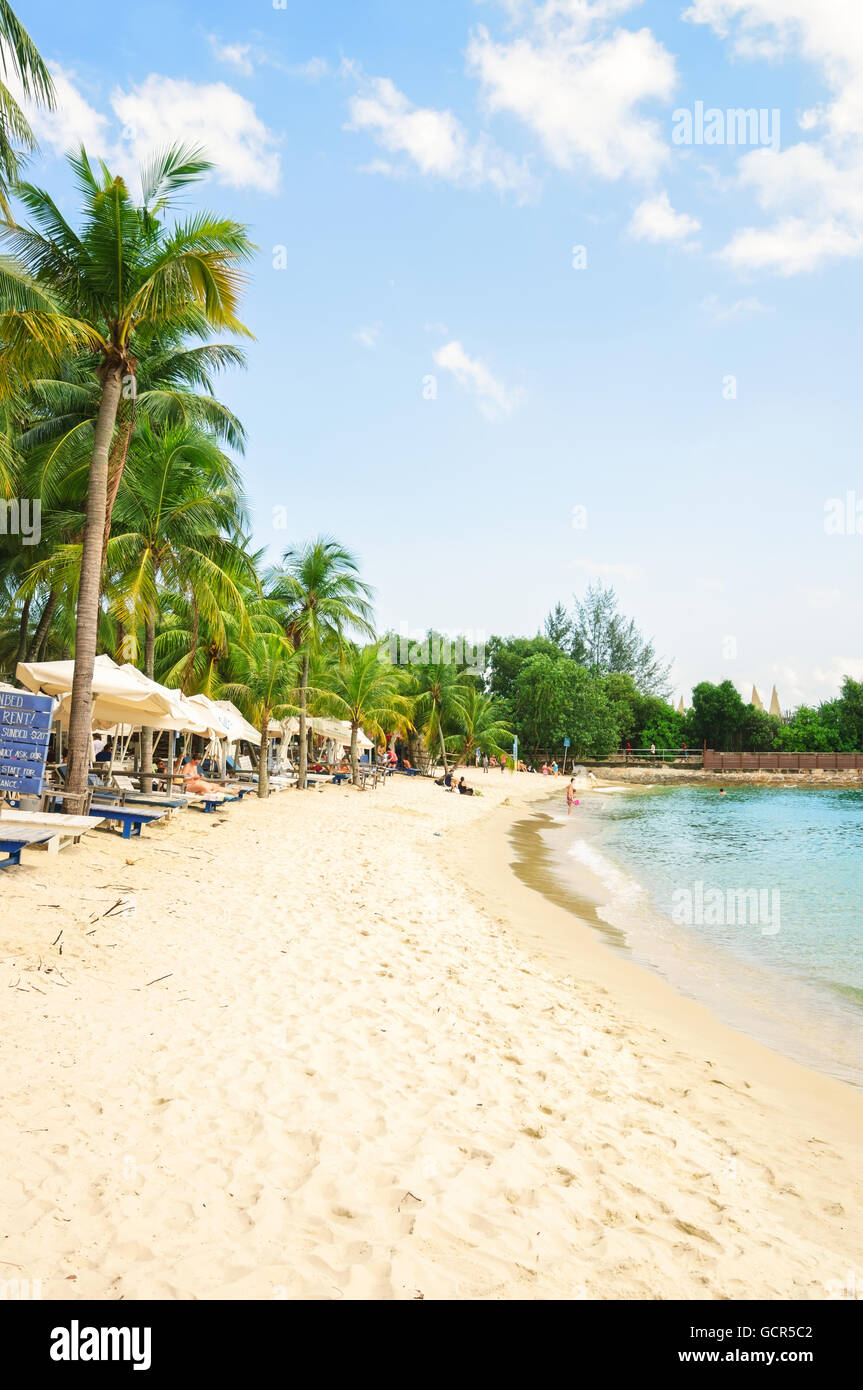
(432, 378)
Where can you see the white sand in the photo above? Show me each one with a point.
(362, 1078)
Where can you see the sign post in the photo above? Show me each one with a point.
(565, 746)
(25, 731)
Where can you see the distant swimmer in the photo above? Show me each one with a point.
(721, 791)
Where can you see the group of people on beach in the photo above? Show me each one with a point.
(449, 784)
(485, 761)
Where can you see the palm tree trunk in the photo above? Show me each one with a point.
(263, 773)
(40, 636)
(442, 745)
(304, 752)
(147, 734)
(23, 627)
(116, 464)
(355, 762)
(89, 590)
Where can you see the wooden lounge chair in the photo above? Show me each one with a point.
(130, 818)
(18, 837)
(60, 829)
(128, 794)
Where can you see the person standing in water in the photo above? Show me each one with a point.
(571, 799)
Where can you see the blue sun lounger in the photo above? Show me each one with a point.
(18, 837)
(131, 820)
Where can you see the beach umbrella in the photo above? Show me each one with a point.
(339, 731)
(775, 707)
(756, 701)
(225, 713)
(122, 695)
(127, 698)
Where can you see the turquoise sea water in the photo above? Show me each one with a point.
(751, 902)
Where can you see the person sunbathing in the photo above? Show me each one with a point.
(194, 782)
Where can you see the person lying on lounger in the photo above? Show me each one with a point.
(193, 780)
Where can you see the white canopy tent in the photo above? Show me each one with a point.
(226, 714)
(123, 699)
(132, 696)
(338, 731)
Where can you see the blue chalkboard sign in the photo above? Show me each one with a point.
(25, 728)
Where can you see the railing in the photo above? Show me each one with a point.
(688, 757)
(782, 762)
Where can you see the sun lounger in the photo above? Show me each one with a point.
(128, 793)
(18, 837)
(128, 817)
(61, 829)
(213, 803)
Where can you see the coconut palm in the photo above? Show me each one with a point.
(178, 501)
(324, 600)
(440, 690)
(109, 290)
(173, 385)
(265, 688)
(196, 656)
(366, 691)
(20, 59)
(479, 724)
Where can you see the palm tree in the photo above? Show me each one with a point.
(195, 655)
(173, 385)
(324, 599)
(365, 690)
(440, 691)
(179, 498)
(480, 724)
(119, 282)
(265, 688)
(20, 56)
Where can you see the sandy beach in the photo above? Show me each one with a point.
(328, 1046)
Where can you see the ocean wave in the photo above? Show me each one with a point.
(622, 886)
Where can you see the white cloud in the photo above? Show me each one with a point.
(245, 57)
(158, 112)
(369, 335)
(721, 313)
(163, 110)
(834, 674)
(791, 246)
(435, 141)
(73, 121)
(234, 55)
(814, 189)
(313, 69)
(656, 220)
(607, 569)
(493, 398)
(580, 89)
(821, 599)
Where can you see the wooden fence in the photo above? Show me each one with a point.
(781, 762)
